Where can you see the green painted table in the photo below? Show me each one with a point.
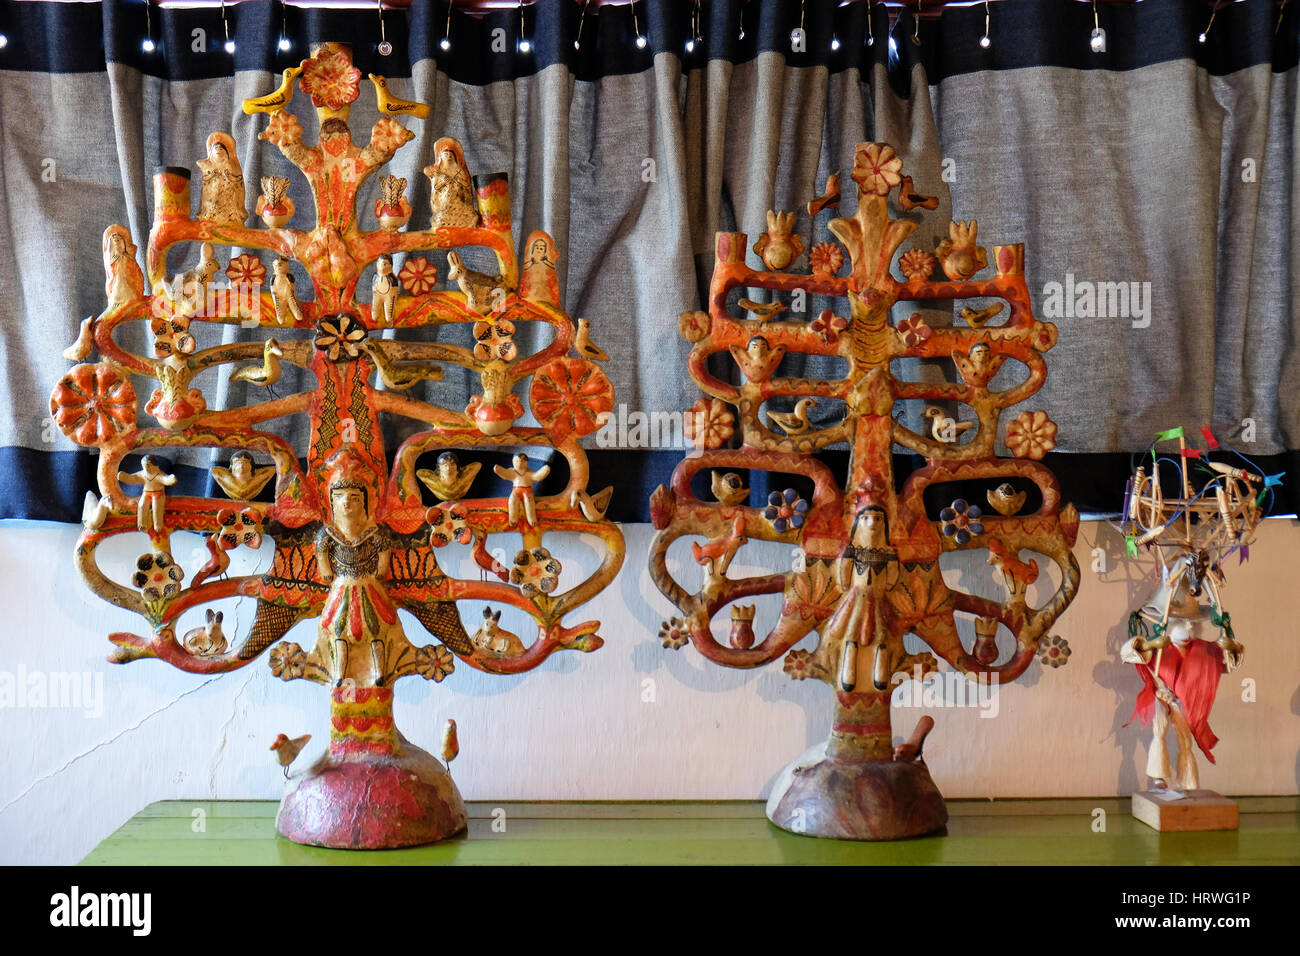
(1024, 832)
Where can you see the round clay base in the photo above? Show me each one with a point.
(841, 800)
(371, 802)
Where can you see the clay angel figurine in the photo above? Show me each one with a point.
(123, 278)
(242, 480)
(152, 504)
(522, 480)
(450, 481)
(385, 288)
(222, 199)
(452, 197)
(1180, 670)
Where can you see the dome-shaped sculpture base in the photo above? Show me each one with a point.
(368, 801)
(838, 799)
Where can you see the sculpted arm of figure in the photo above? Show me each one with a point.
(503, 472)
(130, 478)
(541, 473)
(385, 563)
(323, 561)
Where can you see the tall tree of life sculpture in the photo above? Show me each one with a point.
(870, 567)
(354, 541)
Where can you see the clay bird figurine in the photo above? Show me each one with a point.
(480, 288)
(284, 294)
(977, 317)
(911, 750)
(796, 422)
(757, 359)
(242, 480)
(391, 105)
(274, 102)
(778, 247)
(728, 488)
(1005, 500)
(217, 563)
(94, 511)
(830, 197)
(450, 482)
(943, 428)
(959, 256)
(81, 348)
(450, 742)
(764, 310)
(909, 198)
(266, 374)
(718, 551)
(206, 640)
(287, 749)
(593, 507)
(585, 347)
(396, 376)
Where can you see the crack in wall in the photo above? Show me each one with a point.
(225, 731)
(104, 743)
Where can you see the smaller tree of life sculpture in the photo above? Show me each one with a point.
(1180, 646)
(870, 567)
(354, 540)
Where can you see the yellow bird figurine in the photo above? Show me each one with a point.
(266, 374)
(450, 743)
(977, 317)
(391, 105)
(585, 347)
(274, 102)
(729, 488)
(1005, 500)
(943, 428)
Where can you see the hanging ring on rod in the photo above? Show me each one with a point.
(445, 43)
(384, 47)
(986, 41)
(1205, 34)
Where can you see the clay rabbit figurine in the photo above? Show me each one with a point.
(491, 637)
(480, 288)
(207, 640)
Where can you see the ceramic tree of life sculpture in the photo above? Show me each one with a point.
(868, 565)
(354, 541)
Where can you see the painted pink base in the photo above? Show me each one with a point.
(367, 801)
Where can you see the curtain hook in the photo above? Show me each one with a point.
(1205, 34)
(916, 24)
(1280, 10)
(225, 29)
(445, 43)
(385, 47)
(523, 46)
(147, 43)
(284, 39)
(871, 37)
(640, 39)
(985, 40)
(577, 41)
(1097, 39)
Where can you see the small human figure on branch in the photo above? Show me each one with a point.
(521, 494)
(385, 288)
(150, 511)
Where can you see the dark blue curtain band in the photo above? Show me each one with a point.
(81, 37)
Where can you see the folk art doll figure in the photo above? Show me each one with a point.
(123, 278)
(352, 553)
(861, 573)
(521, 502)
(452, 197)
(538, 281)
(222, 199)
(385, 288)
(149, 514)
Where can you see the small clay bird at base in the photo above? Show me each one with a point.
(79, 349)
(266, 374)
(593, 507)
(287, 749)
(450, 743)
(796, 422)
(728, 488)
(585, 347)
(943, 428)
(977, 317)
(1005, 500)
(274, 102)
(391, 105)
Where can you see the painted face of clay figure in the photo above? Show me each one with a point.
(448, 468)
(757, 348)
(116, 247)
(521, 463)
(241, 467)
(348, 505)
(385, 266)
(869, 530)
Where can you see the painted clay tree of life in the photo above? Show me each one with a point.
(354, 539)
(869, 566)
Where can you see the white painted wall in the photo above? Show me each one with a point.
(579, 727)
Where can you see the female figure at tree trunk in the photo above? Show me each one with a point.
(864, 572)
